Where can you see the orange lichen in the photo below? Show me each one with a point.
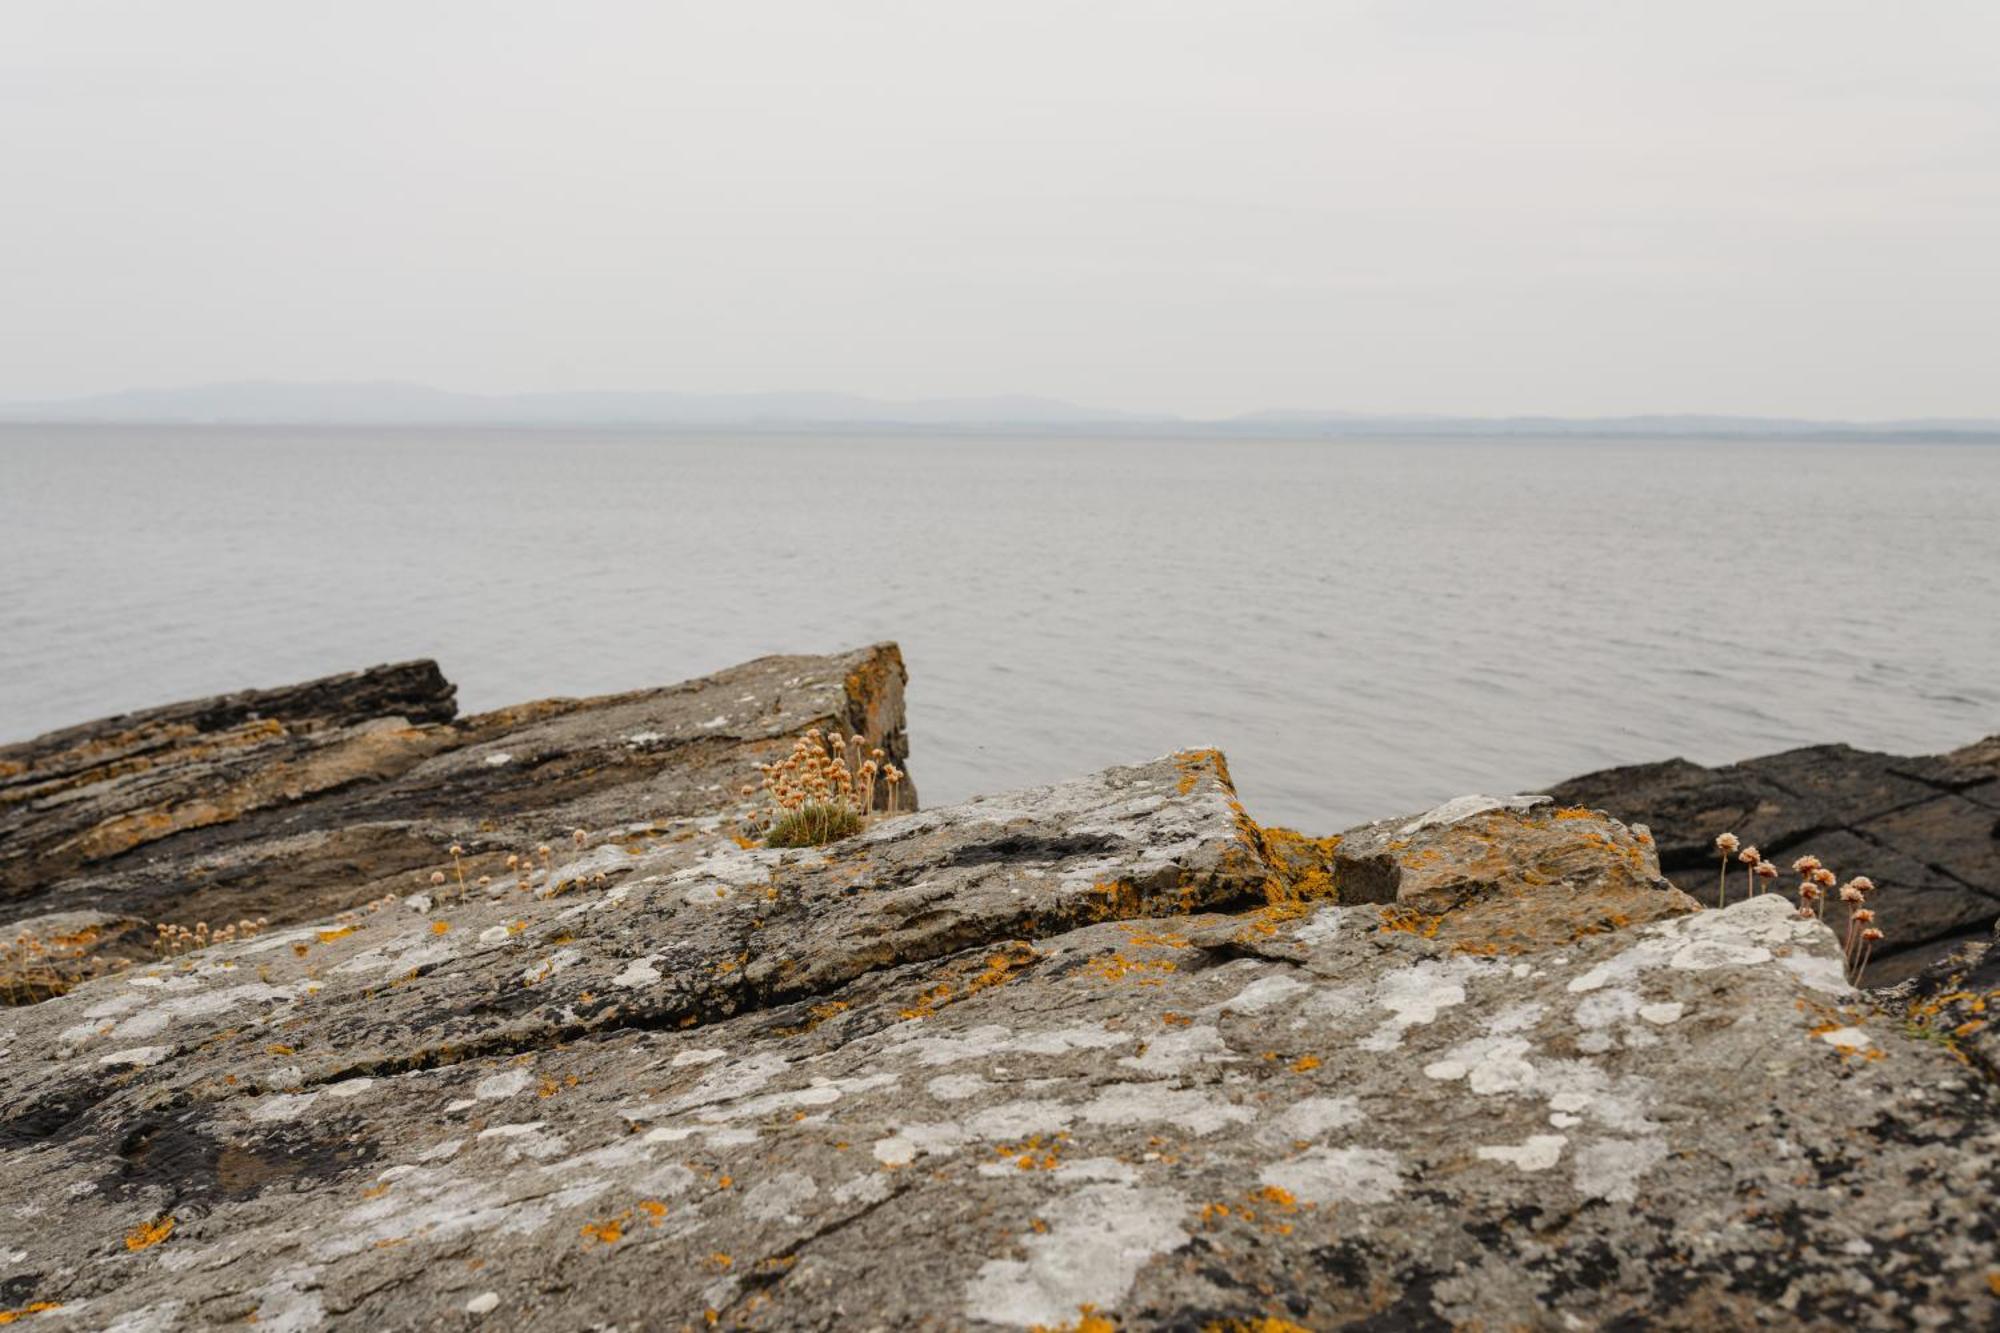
(33, 1307)
(1140, 971)
(998, 968)
(329, 936)
(1410, 921)
(608, 1232)
(654, 1210)
(148, 1234)
(440, 927)
(1305, 1064)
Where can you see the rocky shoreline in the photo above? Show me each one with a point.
(1105, 1054)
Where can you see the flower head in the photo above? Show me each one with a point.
(1749, 856)
(1727, 843)
(1805, 865)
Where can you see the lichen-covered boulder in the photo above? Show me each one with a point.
(1088, 1055)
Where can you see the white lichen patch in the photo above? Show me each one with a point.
(1539, 1153)
(1192, 1110)
(1264, 993)
(638, 972)
(780, 1197)
(282, 1106)
(1847, 1039)
(136, 1055)
(702, 1056)
(1611, 1169)
(1462, 808)
(1747, 934)
(1415, 995)
(992, 1039)
(506, 1083)
(1338, 1175)
(1019, 1119)
(957, 1087)
(1490, 1064)
(913, 1141)
(1310, 1118)
(1096, 1242)
(1173, 1050)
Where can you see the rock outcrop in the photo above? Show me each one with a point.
(299, 803)
(1106, 1054)
(1925, 829)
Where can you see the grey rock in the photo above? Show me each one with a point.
(1068, 1054)
(299, 803)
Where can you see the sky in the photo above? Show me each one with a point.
(1452, 206)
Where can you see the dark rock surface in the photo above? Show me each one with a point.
(297, 803)
(1925, 829)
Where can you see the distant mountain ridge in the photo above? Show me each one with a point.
(394, 403)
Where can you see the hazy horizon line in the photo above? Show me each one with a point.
(380, 402)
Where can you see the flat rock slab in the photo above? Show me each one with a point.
(1925, 829)
(1070, 1055)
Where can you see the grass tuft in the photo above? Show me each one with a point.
(814, 825)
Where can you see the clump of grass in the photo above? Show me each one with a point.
(825, 789)
(813, 825)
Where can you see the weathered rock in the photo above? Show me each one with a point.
(298, 803)
(1080, 1052)
(1955, 1001)
(1926, 830)
(87, 794)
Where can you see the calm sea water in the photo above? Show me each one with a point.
(1366, 628)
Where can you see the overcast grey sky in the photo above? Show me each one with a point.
(1770, 206)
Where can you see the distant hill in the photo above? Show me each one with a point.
(386, 403)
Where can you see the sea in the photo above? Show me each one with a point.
(1364, 627)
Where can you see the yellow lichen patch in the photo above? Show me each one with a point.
(1138, 971)
(278, 1048)
(329, 936)
(722, 1262)
(1410, 921)
(375, 1191)
(148, 1234)
(608, 1232)
(1305, 1064)
(1034, 1154)
(654, 1210)
(1145, 938)
(440, 927)
(33, 1307)
(1087, 1321)
(998, 968)
(1574, 812)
